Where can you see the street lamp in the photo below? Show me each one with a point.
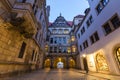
(84, 56)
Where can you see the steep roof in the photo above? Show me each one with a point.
(60, 22)
(79, 16)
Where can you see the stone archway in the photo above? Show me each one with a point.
(47, 63)
(72, 63)
(60, 65)
(59, 62)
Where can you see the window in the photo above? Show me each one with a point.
(101, 5)
(55, 49)
(88, 24)
(101, 63)
(64, 50)
(99, 8)
(35, 58)
(34, 4)
(80, 47)
(60, 49)
(55, 40)
(51, 49)
(60, 31)
(22, 50)
(82, 30)
(107, 28)
(54, 31)
(85, 44)
(23, 1)
(117, 56)
(33, 55)
(51, 40)
(115, 21)
(104, 2)
(60, 40)
(111, 24)
(66, 31)
(73, 49)
(94, 37)
(69, 50)
(89, 21)
(73, 38)
(36, 10)
(64, 40)
(78, 35)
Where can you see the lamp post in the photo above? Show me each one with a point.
(85, 63)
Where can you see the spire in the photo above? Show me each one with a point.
(60, 14)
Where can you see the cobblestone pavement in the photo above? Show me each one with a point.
(56, 74)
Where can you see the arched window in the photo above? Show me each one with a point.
(101, 62)
(117, 56)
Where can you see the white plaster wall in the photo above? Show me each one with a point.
(106, 43)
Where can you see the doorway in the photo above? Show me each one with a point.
(47, 63)
(60, 65)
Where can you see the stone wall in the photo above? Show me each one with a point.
(10, 45)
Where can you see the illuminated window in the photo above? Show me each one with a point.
(101, 63)
(68, 50)
(117, 56)
(66, 31)
(73, 38)
(73, 49)
(46, 47)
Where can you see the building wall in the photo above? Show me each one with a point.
(106, 43)
(12, 40)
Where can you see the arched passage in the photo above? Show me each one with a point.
(47, 63)
(71, 63)
(59, 63)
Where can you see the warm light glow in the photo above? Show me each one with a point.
(73, 49)
(60, 59)
(46, 47)
(84, 55)
(69, 50)
(73, 38)
(71, 60)
(48, 60)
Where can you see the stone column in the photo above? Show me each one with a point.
(67, 63)
(51, 65)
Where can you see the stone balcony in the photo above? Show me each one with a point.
(24, 10)
(23, 6)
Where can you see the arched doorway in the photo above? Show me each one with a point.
(59, 63)
(71, 63)
(47, 63)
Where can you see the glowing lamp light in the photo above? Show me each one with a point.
(84, 55)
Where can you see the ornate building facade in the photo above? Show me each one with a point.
(98, 37)
(60, 46)
(20, 23)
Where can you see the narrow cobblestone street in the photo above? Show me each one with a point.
(56, 74)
